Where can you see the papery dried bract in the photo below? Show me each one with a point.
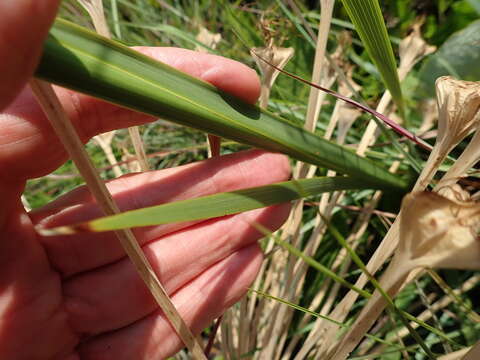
(438, 232)
(459, 104)
(277, 56)
(453, 192)
(458, 114)
(412, 49)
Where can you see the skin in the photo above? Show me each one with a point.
(78, 297)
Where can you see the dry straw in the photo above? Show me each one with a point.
(67, 134)
(435, 232)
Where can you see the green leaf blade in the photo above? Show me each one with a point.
(81, 60)
(367, 18)
(221, 204)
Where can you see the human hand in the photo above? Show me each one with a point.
(78, 297)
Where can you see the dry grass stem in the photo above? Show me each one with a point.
(95, 10)
(105, 142)
(67, 134)
(456, 355)
(430, 116)
(467, 159)
(291, 271)
(316, 96)
(137, 142)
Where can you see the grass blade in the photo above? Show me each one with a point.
(81, 60)
(214, 205)
(313, 313)
(368, 20)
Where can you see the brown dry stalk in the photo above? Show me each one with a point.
(316, 96)
(94, 8)
(67, 134)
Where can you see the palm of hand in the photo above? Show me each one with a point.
(78, 296)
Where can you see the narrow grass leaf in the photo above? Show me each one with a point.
(171, 30)
(216, 205)
(315, 314)
(368, 20)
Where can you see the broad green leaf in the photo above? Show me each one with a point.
(368, 20)
(458, 56)
(216, 205)
(84, 61)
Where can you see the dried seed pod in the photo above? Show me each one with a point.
(439, 232)
(458, 106)
(277, 56)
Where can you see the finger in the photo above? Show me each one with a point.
(23, 28)
(76, 253)
(199, 302)
(121, 297)
(26, 133)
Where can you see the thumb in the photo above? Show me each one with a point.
(23, 28)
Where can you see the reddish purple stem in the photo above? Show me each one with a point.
(396, 127)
